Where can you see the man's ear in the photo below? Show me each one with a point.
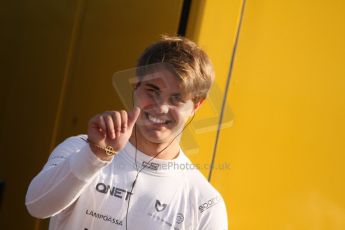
(198, 104)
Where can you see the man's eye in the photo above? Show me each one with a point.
(176, 100)
(152, 92)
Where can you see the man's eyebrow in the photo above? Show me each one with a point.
(153, 86)
(158, 89)
(177, 94)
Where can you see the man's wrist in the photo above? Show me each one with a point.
(104, 153)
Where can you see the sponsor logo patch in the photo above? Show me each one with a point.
(113, 191)
(179, 218)
(210, 203)
(160, 207)
(103, 217)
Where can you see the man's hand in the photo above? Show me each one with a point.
(112, 128)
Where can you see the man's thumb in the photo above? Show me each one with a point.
(133, 116)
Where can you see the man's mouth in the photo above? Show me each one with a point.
(156, 120)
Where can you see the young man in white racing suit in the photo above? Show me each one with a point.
(129, 171)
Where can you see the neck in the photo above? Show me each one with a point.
(165, 150)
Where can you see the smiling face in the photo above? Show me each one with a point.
(165, 109)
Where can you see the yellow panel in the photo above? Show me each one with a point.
(37, 36)
(63, 51)
(112, 35)
(286, 146)
(212, 25)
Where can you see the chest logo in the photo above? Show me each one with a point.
(179, 218)
(160, 207)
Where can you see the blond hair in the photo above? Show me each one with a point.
(189, 62)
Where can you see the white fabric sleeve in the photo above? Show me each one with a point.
(215, 217)
(69, 169)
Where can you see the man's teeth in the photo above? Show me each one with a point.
(156, 120)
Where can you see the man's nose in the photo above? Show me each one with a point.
(162, 107)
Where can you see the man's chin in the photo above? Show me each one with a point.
(159, 139)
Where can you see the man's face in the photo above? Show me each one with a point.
(164, 107)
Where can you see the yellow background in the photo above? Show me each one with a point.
(283, 130)
(286, 146)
